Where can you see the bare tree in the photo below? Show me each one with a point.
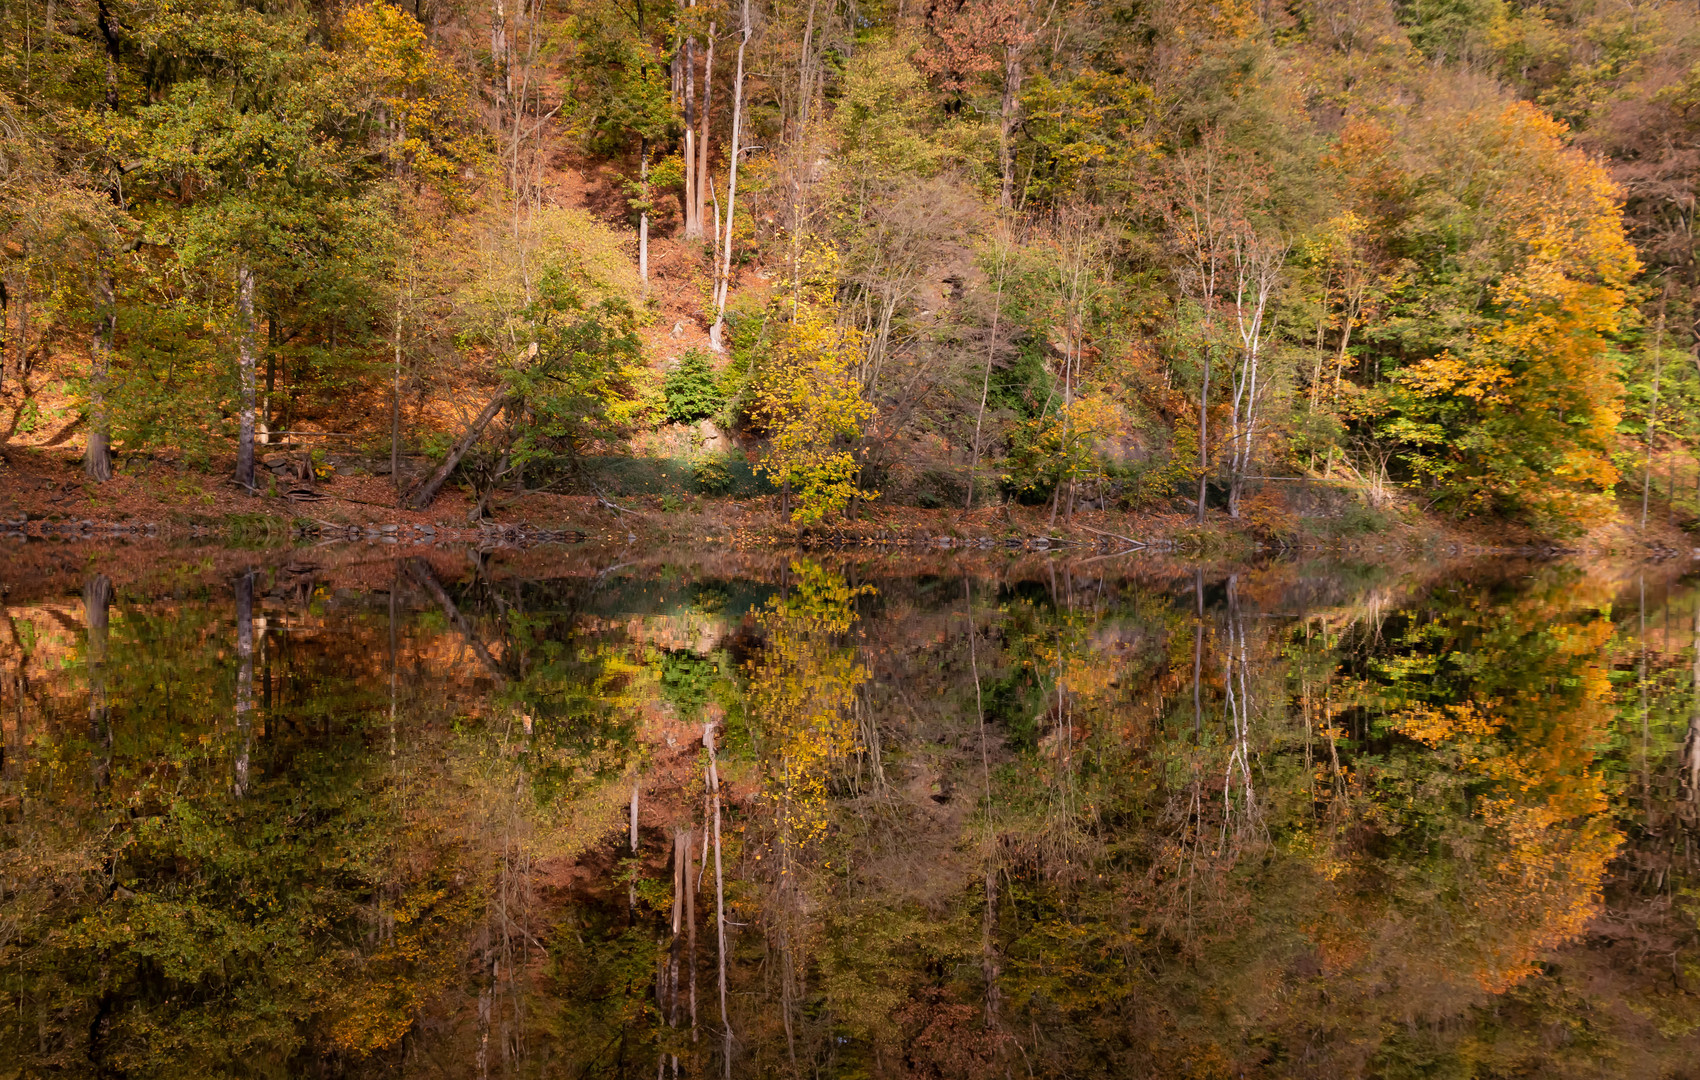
(724, 276)
(1256, 270)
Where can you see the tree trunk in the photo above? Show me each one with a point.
(1006, 127)
(21, 368)
(986, 382)
(97, 456)
(715, 331)
(693, 216)
(702, 181)
(427, 491)
(246, 369)
(395, 409)
(273, 339)
(1653, 408)
(1203, 436)
(5, 326)
(643, 216)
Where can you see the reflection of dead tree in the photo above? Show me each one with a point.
(1236, 666)
(421, 571)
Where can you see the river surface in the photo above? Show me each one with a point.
(369, 811)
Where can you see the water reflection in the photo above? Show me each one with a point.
(760, 816)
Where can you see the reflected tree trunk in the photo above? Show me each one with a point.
(394, 582)
(990, 964)
(420, 571)
(97, 599)
(719, 899)
(1235, 665)
(1198, 653)
(1691, 744)
(244, 677)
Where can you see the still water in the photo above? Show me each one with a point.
(370, 812)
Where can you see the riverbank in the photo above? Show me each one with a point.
(43, 494)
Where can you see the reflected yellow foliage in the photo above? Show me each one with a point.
(801, 689)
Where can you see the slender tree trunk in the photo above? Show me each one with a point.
(702, 176)
(428, 490)
(395, 408)
(693, 217)
(1006, 127)
(643, 215)
(715, 332)
(499, 58)
(97, 456)
(1203, 435)
(21, 368)
(246, 368)
(1653, 408)
(5, 328)
(273, 340)
(986, 381)
(244, 676)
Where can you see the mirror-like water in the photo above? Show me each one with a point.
(451, 815)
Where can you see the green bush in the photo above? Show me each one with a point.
(711, 476)
(692, 390)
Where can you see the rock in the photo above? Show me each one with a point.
(714, 441)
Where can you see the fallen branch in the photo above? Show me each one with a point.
(422, 496)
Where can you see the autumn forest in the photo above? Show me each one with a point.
(849, 539)
(1351, 260)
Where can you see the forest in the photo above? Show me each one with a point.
(1248, 260)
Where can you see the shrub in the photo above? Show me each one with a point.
(692, 389)
(711, 476)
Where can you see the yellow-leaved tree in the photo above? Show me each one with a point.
(1521, 411)
(809, 401)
